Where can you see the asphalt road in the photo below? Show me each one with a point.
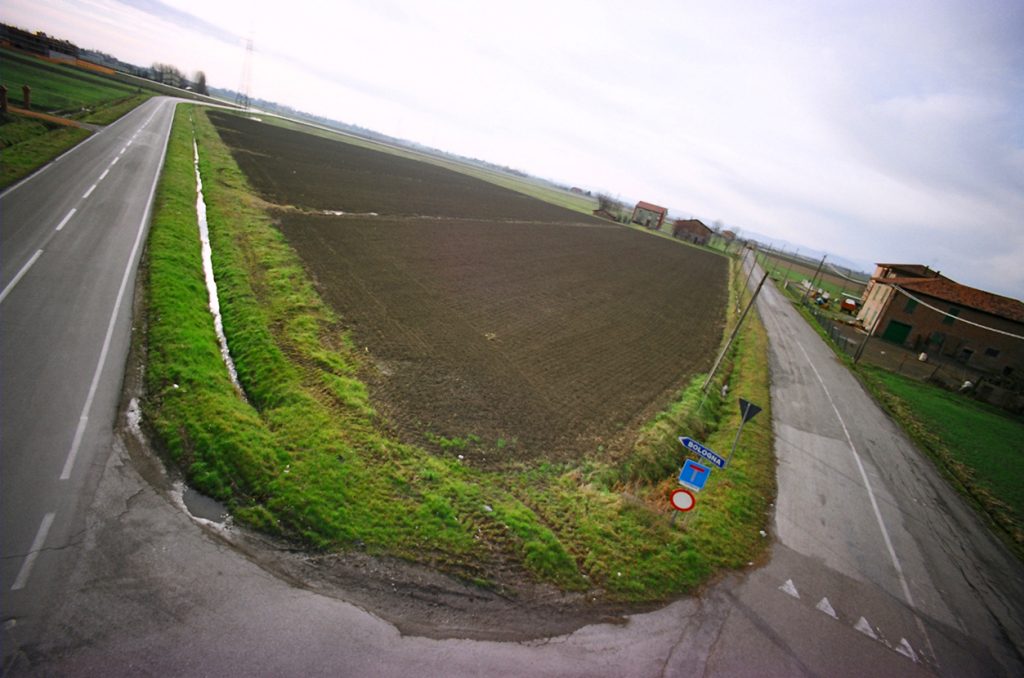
(876, 569)
(70, 239)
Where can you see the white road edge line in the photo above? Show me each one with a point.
(84, 418)
(66, 219)
(864, 477)
(874, 505)
(16, 278)
(33, 552)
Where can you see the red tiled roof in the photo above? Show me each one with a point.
(945, 289)
(914, 270)
(650, 207)
(693, 226)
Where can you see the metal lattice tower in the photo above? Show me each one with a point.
(242, 97)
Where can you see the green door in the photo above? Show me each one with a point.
(896, 332)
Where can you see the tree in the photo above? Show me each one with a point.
(200, 83)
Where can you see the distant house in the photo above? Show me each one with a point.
(729, 236)
(648, 215)
(693, 230)
(914, 306)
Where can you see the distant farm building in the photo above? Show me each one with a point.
(693, 230)
(916, 307)
(729, 236)
(648, 215)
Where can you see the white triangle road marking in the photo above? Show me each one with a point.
(864, 627)
(826, 607)
(789, 588)
(907, 651)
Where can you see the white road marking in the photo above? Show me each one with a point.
(33, 553)
(864, 627)
(874, 503)
(84, 418)
(826, 607)
(15, 279)
(789, 588)
(907, 651)
(66, 219)
(104, 175)
(114, 161)
(867, 484)
(89, 192)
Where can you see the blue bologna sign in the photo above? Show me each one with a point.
(695, 447)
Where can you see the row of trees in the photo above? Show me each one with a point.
(170, 75)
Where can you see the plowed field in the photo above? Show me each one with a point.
(500, 327)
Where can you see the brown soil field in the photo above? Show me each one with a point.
(498, 327)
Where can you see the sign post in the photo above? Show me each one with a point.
(748, 410)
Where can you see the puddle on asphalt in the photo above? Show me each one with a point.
(200, 506)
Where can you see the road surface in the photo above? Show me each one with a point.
(70, 238)
(877, 568)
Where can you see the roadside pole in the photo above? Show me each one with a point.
(732, 337)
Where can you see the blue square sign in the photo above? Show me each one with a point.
(694, 475)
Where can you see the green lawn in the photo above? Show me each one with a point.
(980, 447)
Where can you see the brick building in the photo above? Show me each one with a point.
(693, 230)
(648, 215)
(916, 307)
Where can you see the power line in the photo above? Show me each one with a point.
(950, 315)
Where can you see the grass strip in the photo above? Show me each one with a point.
(309, 460)
(28, 145)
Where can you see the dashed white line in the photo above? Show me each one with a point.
(104, 175)
(66, 219)
(89, 192)
(69, 463)
(16, 278)
(114, 161)
(33, 553)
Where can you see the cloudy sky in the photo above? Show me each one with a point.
(877, 131)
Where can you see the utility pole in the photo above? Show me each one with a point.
(732, 337)
(814, 280)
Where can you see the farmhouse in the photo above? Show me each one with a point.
(693, 230)
(917, 307)
(648, 215)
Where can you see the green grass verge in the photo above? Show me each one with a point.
(976, 446)
(306, 458)
(27, 144)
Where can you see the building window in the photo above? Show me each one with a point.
(965, 355)
(951, 317)
(991, 352)
(911, 305)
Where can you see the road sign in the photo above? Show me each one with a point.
(694, 475)
(697, 448)
(682, 500)
(748, 409)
